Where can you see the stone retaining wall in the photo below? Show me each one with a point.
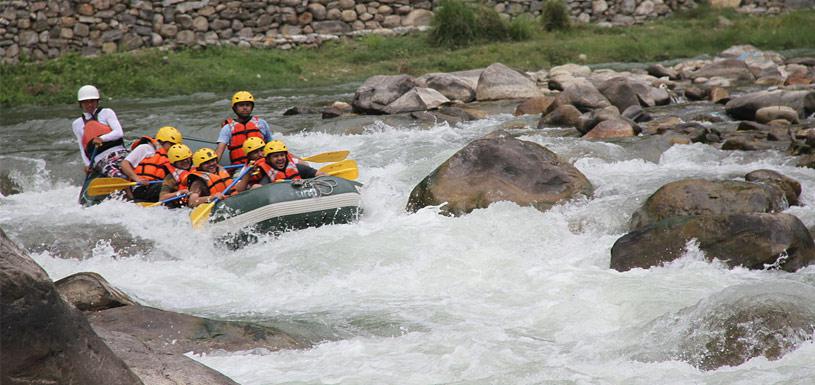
(38, 30)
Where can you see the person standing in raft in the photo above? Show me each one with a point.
(278, 164)
(174, 184)
(209, 180)
(99, 135)
(148, 161)
(235, 131)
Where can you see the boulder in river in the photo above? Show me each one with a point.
(700, 196)
(768, 114)
(732, 69)
(88, 291)
(590, 119)
(582, 94)
(753, 240)
(791, 187)
(378, 91)
(499, 82)
(44, 339)
(496, 168)
(455, 85)
(612, 128)
(623, 92)
(417, 99)
(536, 105)
(764, 318)
(565, 115)
(744, 107)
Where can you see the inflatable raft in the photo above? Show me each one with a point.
(287, 205)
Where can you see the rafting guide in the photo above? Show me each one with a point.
(236, 131)
(99, 135)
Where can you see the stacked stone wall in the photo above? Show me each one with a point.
(43, 29)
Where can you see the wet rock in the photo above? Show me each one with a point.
(506, 169)
(501, 82)
(379, 91)
(791, 187)
(464, 113)
(624, 92)
(534, 106)
(708, 197)
(46, 340)
(658, 70)
(746, 125)
(754, 241)
(661, 125)
(719, 95)
(81, 242)
(698, 133)
(336, 109)
(417, 99)
(744, 107)
(565, 115)
(767, 318)
(729, 69)
(454, 86)
(767, 114)
(301, 110)
(745, 143)
(590, 119)
(613, 128)
(695, 93)
(583, 95)
(90, 292)
(636, 114)
(175, 333)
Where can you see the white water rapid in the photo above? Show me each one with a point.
(505, 295)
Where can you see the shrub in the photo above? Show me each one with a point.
(454, 24)
(555, 15)
(521, 28)
(458, 23)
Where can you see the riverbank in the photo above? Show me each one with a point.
(159, 73)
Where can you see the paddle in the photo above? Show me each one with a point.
(89, 173)
(201, 213)
(105, 186)
(153, 204)
(325, 157)
(346, 169)
(332, 156)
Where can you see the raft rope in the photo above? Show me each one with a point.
(323, 186)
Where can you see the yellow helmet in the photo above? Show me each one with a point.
(251, 144)
(178, 152)
(169, 134)
(274, 146)
(242, 96)
(203, 155)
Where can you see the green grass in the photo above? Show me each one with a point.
(155, 73)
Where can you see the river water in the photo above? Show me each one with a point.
(505, 295)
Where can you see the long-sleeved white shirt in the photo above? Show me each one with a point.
(106, 116)
(139, 153)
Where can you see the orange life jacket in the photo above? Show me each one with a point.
(156, 166)
(92, 129)
(216, 182)
(290, 172)
(180, 176)
(240, 132)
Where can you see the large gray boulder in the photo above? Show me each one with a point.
(582, 94)
(417, 99)
(700, 196)
(44, 339)
(455, 85)
(496, 168)
(565, 115)
(732, 69)
(790, 186)
(744, 107)
(623, 92)
(379, 91)
(755, 241)
(499, 82)
(612, 128)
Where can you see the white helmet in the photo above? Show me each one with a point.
(87, 93)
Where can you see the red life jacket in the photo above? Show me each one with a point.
(240, 132)
(180, 176)
(274, 175)
(154, 167)
(92, 129)
(216, 182)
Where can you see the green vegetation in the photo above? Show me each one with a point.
(555, 15)
(156, 73)
(458, 23)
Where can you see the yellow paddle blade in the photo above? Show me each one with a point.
(148, 204)
(332, 156)
(345, 169)
(105, 186)
(200, 215)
